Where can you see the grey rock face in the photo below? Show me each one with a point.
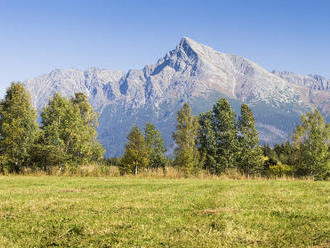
(315, 82)
(191, 72)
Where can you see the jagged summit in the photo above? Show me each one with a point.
(194, 49)
(189, 44)
(191, 72)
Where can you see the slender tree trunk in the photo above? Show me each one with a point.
(136, 171)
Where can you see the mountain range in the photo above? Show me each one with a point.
(193, 73)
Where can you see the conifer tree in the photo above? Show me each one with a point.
(225, 135)
(18, 127)
(156, 146)
(269, 153)
(186, 154)
(311, 141)
(136, 155)
(285, 153)
(207, 142)
(249, 158)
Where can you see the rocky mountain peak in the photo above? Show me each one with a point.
(194, 73)
(189, 47)
(192, 47)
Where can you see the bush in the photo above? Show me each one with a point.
(280, 170)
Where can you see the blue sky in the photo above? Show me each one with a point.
(39, 36)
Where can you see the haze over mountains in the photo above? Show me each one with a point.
(194, 73)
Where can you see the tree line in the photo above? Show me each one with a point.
(67, 133)
(216, 141)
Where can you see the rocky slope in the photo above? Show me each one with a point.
(315, 82)
(191, 72)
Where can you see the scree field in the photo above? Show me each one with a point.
(49, 211)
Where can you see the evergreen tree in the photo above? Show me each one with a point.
(269, 153)
(285, 153)
(269, 157)
(156, 147)
(225, 135)
(207, 142)
(311, 141)
(136, 154)
(250, 159)
(186, 154)
(18, 127)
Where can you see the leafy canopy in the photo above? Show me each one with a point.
(18, 128)
(136, 155)
(311, 141)
(156, 146)
(249, 159)
(186, 153)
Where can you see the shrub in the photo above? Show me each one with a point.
(280, 170)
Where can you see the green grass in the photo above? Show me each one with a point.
(50, 211)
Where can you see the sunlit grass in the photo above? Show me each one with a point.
(50, 211)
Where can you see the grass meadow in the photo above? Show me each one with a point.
(62, 211)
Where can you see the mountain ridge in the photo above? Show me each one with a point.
(191, 72)
(315, 82)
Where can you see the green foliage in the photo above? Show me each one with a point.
(156, 147)
(249, 159)
(269, 152)
(68, 137)
(18, 128)
(269, 159)
(61, 123)
(207, 142)
(114, 161)
(136, 155)
(224, 145)
(225, 136)
(311, 142)
(68, 132)
(186, 154)
(45, 156)
(280, 170)
(286, 153)
(90, 147)
(86, 111)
